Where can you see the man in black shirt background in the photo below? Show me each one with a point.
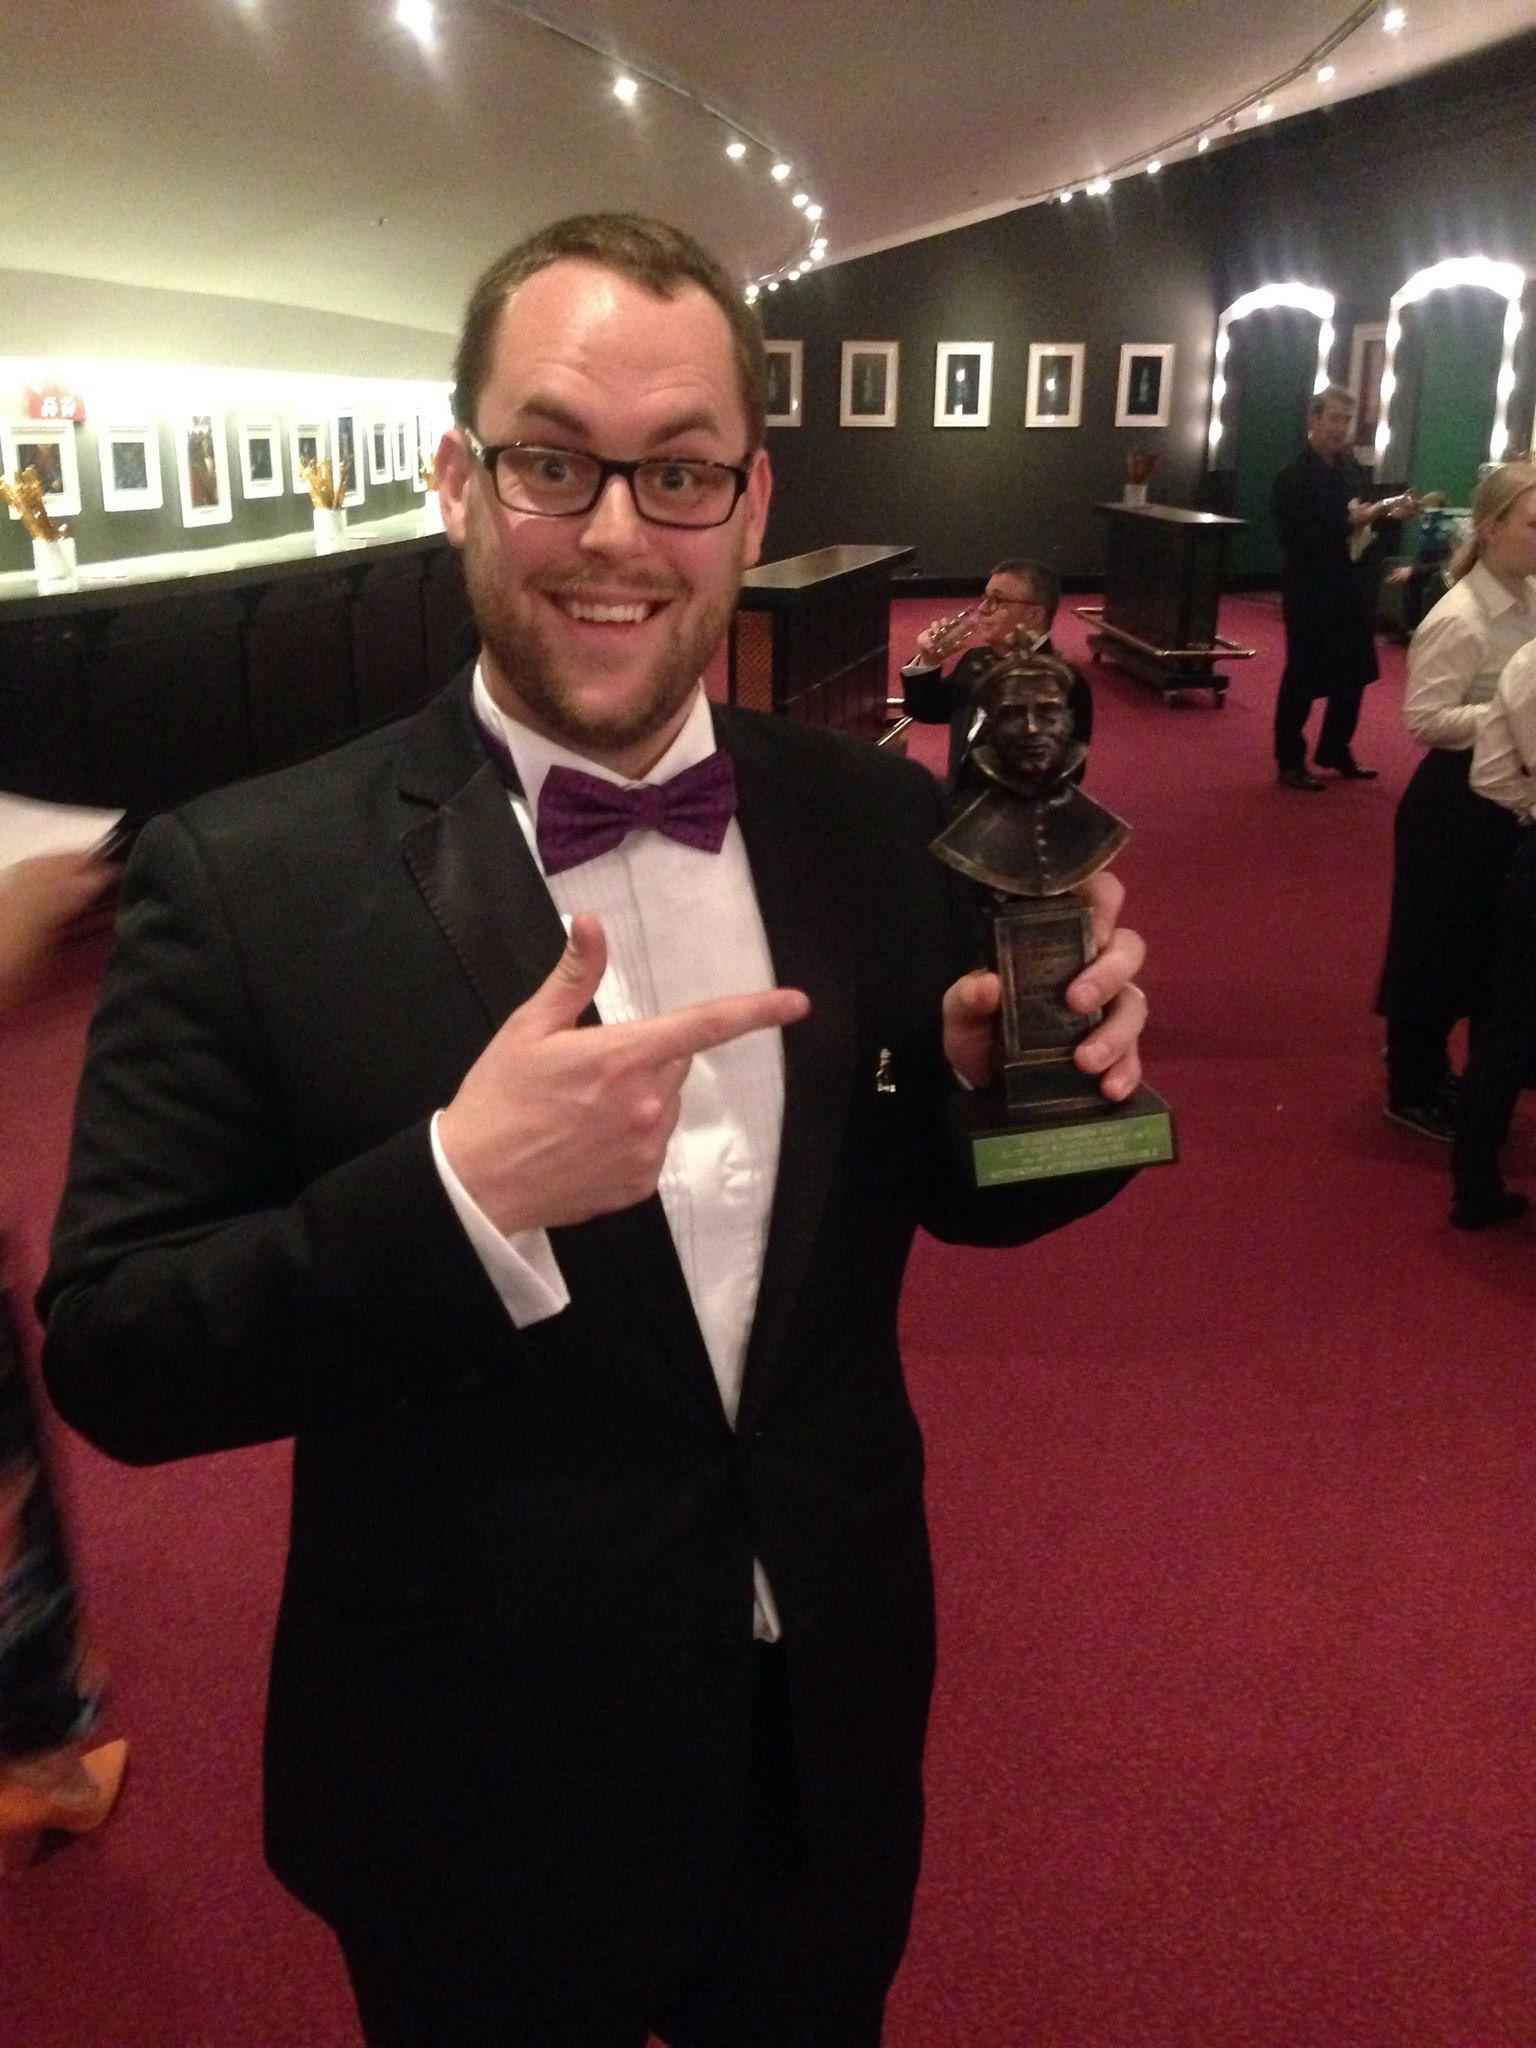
(1323, 518)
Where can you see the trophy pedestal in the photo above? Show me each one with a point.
(1047, 1142)
(1044, 1117)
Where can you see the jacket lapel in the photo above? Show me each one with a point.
(807, 924)
(471, 863)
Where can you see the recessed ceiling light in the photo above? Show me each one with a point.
(813, 211)
(625, 89)
(415, 15)
(1154, 167)
(1326, 74)
(1394, 20)
(780, 171)
(736, 151)
(773, 284)
(801, 199)
(1263, 110)
(1202, 145)
(1063, 198)
(751, 293)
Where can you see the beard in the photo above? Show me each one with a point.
(529, 663)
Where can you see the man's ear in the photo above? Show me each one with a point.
(455, 474)
(759, 490)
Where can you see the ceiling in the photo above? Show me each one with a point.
(314, 153)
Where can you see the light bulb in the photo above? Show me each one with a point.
(1154, 167)
(1202, 145)
(780, 171)
(801, 199)
(735, 151)
(1393, 20)
(1326, 74)
(1263, 111)
(813, 211)
(624, 90)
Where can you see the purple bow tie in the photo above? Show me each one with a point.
(581, 816)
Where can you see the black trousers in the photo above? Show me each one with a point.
(1499, 1061)
(760, 1982)
(1297, 694)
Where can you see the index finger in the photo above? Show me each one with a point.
(679, 1034)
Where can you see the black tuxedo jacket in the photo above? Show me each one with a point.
(512, 1671)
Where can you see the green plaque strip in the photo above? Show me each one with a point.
(1099, 1146)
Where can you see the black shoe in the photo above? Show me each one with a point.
(1425, 1119)
(1299, 778)
(1345, 766)
(1481, 1212)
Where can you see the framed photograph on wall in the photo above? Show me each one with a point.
(962, 384)
(404, 433)
(1055, 395)
(48, 446)
(130, 468)
(868, 397)
(307, 443)
(784, 363)
(261, 459)
(202, 467)
(344, 444)
(381, 453)
(1367, 363)
(1144, 394)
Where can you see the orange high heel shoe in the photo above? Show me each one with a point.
(34, 1802)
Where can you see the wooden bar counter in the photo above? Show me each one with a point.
(1162, 585)
(811, 635)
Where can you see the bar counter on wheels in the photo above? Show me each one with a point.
(1163, 576)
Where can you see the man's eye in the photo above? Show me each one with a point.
(676, 477)
(552, 469)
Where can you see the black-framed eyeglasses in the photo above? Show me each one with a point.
(562, 483)
(990, 606)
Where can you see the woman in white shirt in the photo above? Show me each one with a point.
(1503, 1055)
(1451, 847)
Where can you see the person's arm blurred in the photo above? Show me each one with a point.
(43, 904)
(1504, 758)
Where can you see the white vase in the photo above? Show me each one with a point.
(330, 529)
(54, 561)
(1134, 494)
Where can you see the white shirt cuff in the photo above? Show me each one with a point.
(522, 1268)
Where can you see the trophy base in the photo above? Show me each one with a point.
(1111, 1137)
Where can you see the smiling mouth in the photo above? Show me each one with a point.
(588, 611)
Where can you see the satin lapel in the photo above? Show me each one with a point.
(807, 923)
(472, 865)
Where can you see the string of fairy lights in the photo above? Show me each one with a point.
(741, 145)
(1316, 71)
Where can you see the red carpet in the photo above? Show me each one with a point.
(1231, 1496)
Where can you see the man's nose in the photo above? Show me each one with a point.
(614, 526)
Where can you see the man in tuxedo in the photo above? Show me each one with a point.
(1017, 609)
(1332, 545)
(527, 1109)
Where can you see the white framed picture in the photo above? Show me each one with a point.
(962, 384)
(261, 459)
(48, 446)
(345, 455)
(1055, 392)
(868, 394)
(130, 468)
(202, 469)
(1144, 394)
(306, 443)
(1367, 365)
(381, 452)
(404, 467)
(784, 365)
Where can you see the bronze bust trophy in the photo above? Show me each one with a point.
(1028, 839)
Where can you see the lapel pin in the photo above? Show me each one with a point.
(885, 1080)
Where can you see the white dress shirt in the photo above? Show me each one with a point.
(682, 927)
(1456, 656)
(1504, 758)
